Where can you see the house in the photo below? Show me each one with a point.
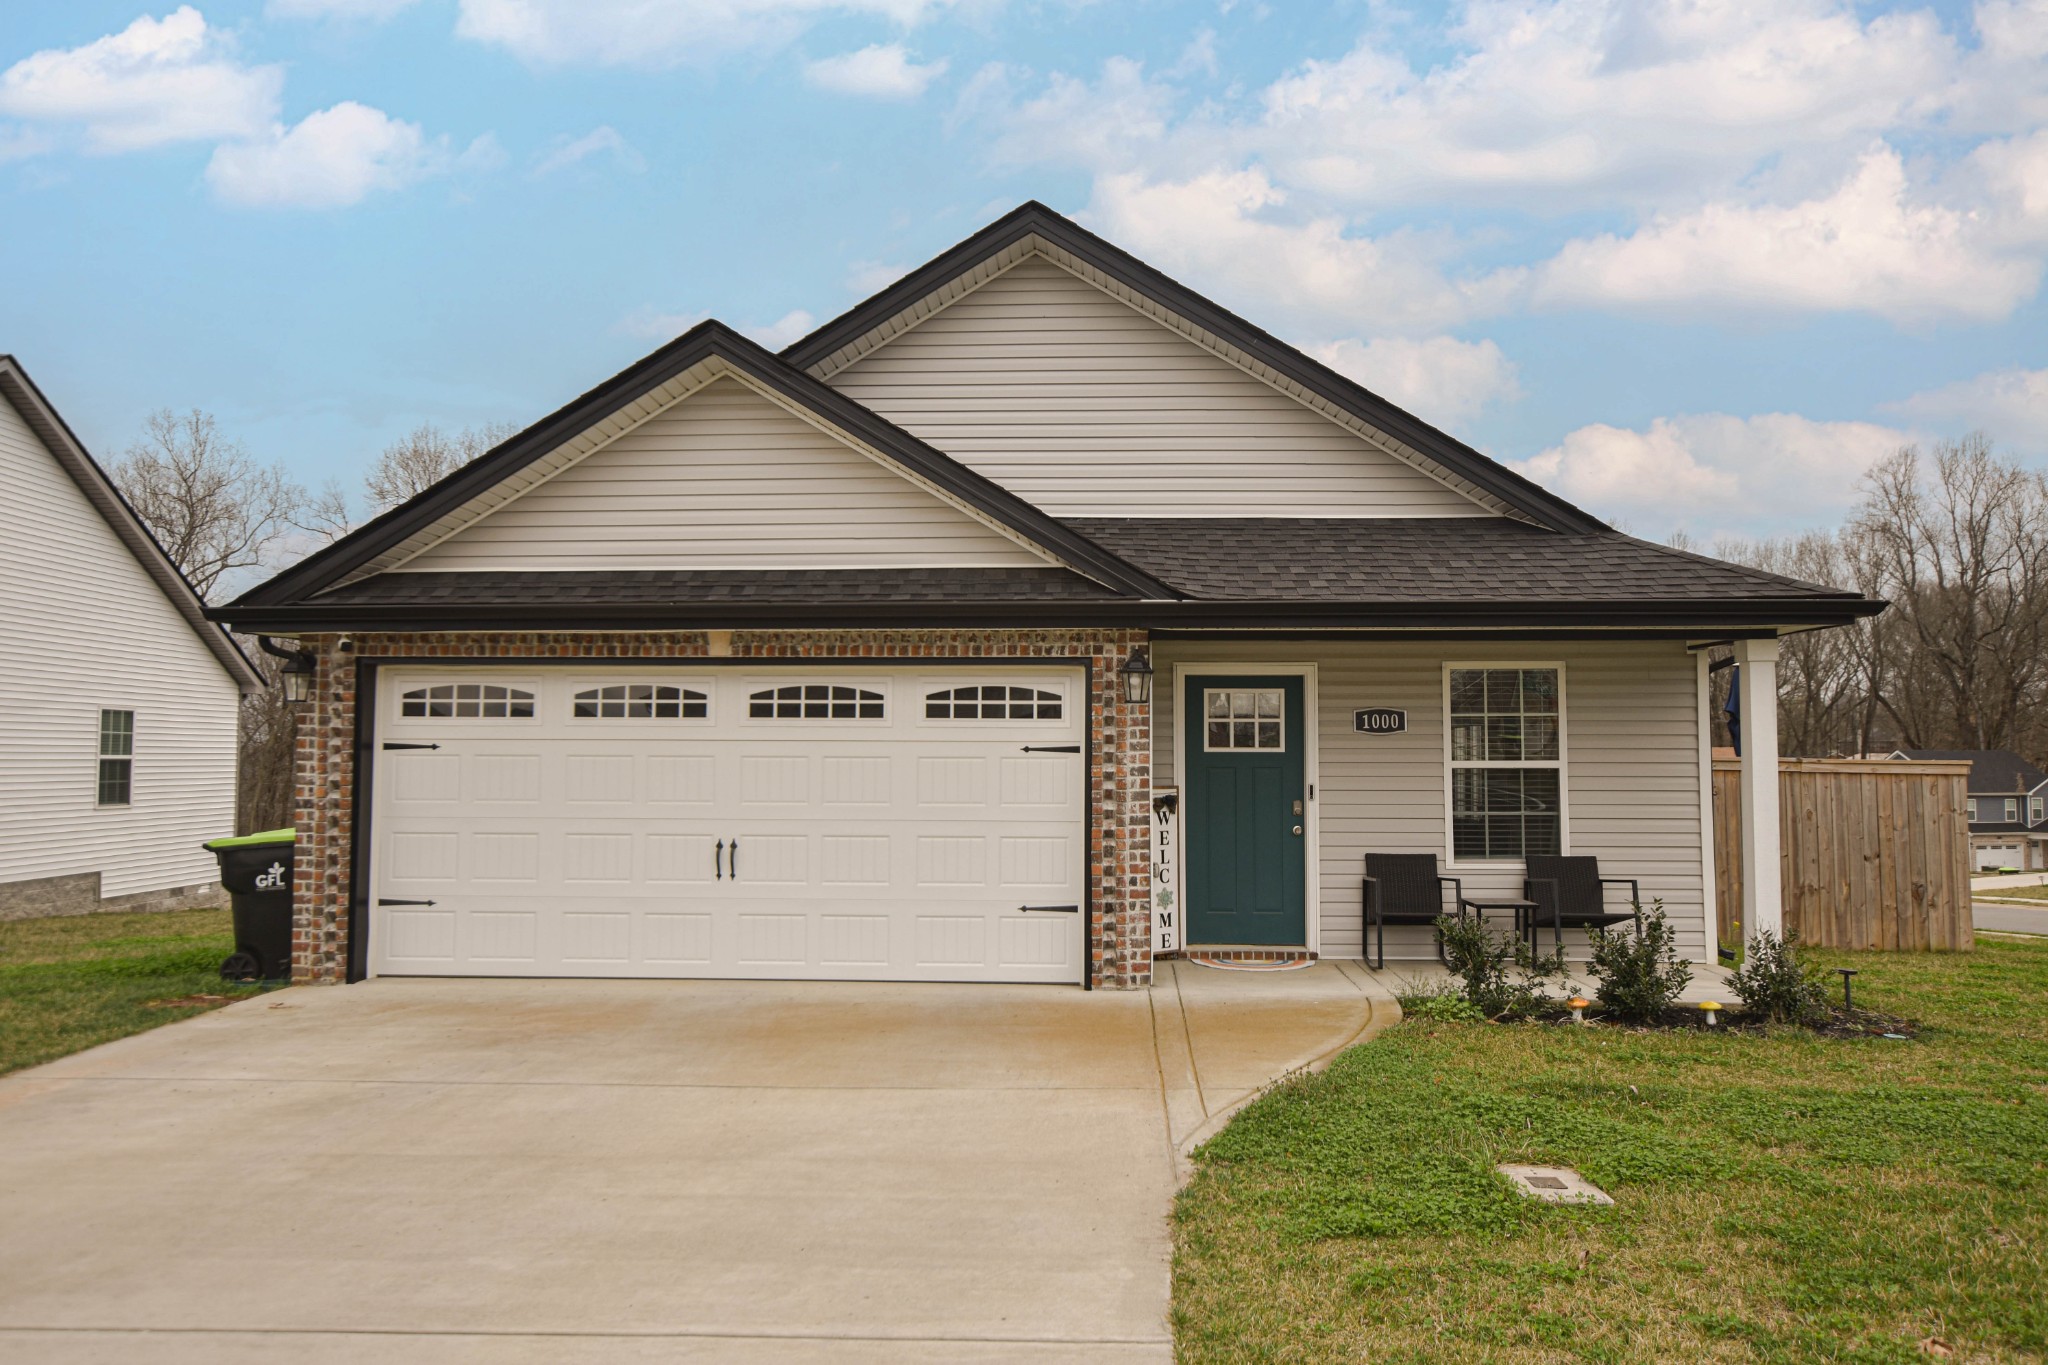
(2008, 806)
(890, 655)
(118, 698)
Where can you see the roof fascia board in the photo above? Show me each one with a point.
(78, 464)
(839, 342)
(355, 554)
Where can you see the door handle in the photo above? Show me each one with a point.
(1060, 909)
(1297, 829)
(1052, 748)
(385, 900)
(389, 746)
(718, 862)
(735, 864)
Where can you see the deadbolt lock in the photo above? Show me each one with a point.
(1297, 807)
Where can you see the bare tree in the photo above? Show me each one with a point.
(266, 753)
(1961, 548)
(212, 508)
(425, 456)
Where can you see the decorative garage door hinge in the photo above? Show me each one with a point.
(381, 900)
(1059, 909)
(1052, 748)
(390, 745)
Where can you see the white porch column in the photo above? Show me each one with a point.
(1763, 905)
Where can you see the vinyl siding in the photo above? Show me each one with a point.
(725, 479)
(1084, 406)
(1632, 768)
(83, 626)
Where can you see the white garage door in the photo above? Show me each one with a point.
(1999, 855)
(858, 823)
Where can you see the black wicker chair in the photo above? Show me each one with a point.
(1570, 893)
(1405, 888)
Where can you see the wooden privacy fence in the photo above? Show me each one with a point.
(1875, 852)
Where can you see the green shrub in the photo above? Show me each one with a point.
(1503, 977)
(1774, 984)
(1639, 971)
(1439, 1002)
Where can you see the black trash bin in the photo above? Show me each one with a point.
(256, 872)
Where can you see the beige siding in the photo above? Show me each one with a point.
(1632, 767)
(725, 479)
(83, 626)
(1083, 405)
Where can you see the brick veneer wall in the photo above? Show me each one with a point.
(1120, 778)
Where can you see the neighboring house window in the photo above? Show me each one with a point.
(815, 701)
(1973, 810)
(641, 701)
(1243, 718)
(1507, 762)
(481, 700)
(2035, 810)
(2012, 809)
(117, 758)
(993, 701)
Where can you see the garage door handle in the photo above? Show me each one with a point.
(388, 747)
(718, 862)
(735, 860)
(384, 901)
(1060, 909)
(1052, 748)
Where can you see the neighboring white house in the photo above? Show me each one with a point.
(118, 698)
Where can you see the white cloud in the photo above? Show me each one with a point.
(1440, 379)
(655, 33)
(17, 144)
(565, 152)
(1221, 233)
(1771, 471)
(157, 81)
(1870, 246)
(650, 324)
(785, 329)
(871, 277)
(2011, 405)
(375, 11)
(329, 159)
(882, 70)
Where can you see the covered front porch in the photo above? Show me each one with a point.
(1279, 763)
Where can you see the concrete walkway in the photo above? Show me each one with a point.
(583, 1171)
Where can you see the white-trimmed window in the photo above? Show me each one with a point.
(1972, 804)
(994, 701)
(2037, 809)
(480, 701)
(1506, 739)
(117, 758)
(815, 701)
(2012, 809)
(1243, 718)
(641, 701)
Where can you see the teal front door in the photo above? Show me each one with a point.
(1245, 811)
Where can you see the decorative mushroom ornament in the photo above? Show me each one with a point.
(1578, 1005)
(1713, 1009)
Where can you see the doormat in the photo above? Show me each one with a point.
(1269, 963)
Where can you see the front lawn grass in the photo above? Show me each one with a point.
(1779, 1197)
(75, 981)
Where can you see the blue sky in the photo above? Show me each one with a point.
(1692, 264)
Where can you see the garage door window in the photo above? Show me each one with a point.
(815, 701)
(641, 701)
(993, 701)
(483, 701)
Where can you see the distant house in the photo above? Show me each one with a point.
(2008, 806)
(118, 698)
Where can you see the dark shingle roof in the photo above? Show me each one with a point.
(1433, 559)
(684, 587)
(1992, 771)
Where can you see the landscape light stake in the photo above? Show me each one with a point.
(1846, 972)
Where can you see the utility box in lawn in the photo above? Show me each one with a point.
(256, 872)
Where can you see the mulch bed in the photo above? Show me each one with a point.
(1840, 1023)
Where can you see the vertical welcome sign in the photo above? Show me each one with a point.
(1166, 925)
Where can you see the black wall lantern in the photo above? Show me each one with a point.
(1137, 675)
(297, 673)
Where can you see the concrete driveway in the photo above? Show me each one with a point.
(582, 1171)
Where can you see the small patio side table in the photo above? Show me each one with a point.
(1523, 910)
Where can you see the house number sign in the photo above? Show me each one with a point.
(1379, 720)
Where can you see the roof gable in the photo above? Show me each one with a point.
(1071, 397)
(1035, 229)
(56, 438)
(626, 400)
(725, 477)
